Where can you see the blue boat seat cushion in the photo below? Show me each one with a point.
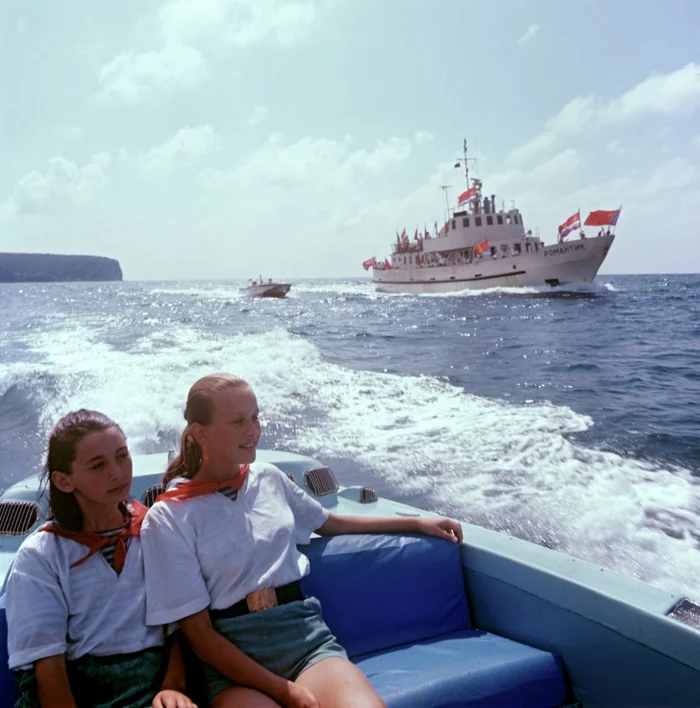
(383, 591)
(398, 605)
(470, 668)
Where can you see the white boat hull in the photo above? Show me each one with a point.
(559, 264)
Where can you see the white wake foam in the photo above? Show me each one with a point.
(497, 464)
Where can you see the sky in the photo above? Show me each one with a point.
(213, 139)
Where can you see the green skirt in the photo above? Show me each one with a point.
(118, 681)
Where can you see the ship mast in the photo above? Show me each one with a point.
(466, 163)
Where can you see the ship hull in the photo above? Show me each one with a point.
(560, 264)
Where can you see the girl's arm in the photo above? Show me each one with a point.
(172, 690)
(174, 679)
(215, 650)
(52, 682)
(338, 524)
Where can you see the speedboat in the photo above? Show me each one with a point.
(271, 288)
(495, 621)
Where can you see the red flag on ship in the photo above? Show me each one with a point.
(603, 218)
(571, 224)
(466, 197)
(369, 263)
(482, 247)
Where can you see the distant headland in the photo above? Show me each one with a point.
(50, 268)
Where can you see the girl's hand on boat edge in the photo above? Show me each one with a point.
(442, 528)
(172, 699)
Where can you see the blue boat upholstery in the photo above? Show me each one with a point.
(7, 681)
(398, 605)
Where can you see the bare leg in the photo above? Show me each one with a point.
(337, 683)
(240, 697)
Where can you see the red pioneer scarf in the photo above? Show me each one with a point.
(97, 541)
(193, 488)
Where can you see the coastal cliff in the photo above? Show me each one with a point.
(50, 268)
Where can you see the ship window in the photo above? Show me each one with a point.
(515, 218)
(454, 224)
(465, 223)
(489, 220)
(499, 218)
(516, 249)
(477, 221)
(404, 260)
(508, 219)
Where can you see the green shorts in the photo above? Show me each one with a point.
(286, 640)
(117, 681)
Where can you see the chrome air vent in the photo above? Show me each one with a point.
(686, 611)
(149, 496)
(321, 481)
(367, 495)
(17, 518)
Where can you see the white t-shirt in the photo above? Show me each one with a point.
(54, 609)
(212, 551)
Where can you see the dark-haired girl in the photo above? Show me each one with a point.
(75, 595)
(222, 560)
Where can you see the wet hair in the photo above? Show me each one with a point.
(63, 447)
(199, 409)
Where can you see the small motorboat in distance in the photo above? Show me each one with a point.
(271, 288)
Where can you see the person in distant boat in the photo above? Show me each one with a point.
(222, 561)
(75, 595)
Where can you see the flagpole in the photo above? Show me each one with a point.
(444, 188)
(618, 218)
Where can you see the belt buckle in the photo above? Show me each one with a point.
(261, 600)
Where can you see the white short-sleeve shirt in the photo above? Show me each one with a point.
(54, 609)
(212, 551)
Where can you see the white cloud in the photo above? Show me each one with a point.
(675, 93)
(423, 136)
(132, 77)
(63, 184)
(238, 22)
(615, 147)
(187, 146)
(259, 115)
(187, 29)
(315, 191)
(529, 33)
(531, 149)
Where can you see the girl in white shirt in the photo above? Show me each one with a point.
(75, 595)
(221, 559)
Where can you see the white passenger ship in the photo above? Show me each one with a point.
(481, 246)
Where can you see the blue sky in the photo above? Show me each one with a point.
(223, 138)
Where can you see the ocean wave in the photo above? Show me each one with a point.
(511, 466)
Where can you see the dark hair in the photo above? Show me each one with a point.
(63, 445)
(199, 409)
